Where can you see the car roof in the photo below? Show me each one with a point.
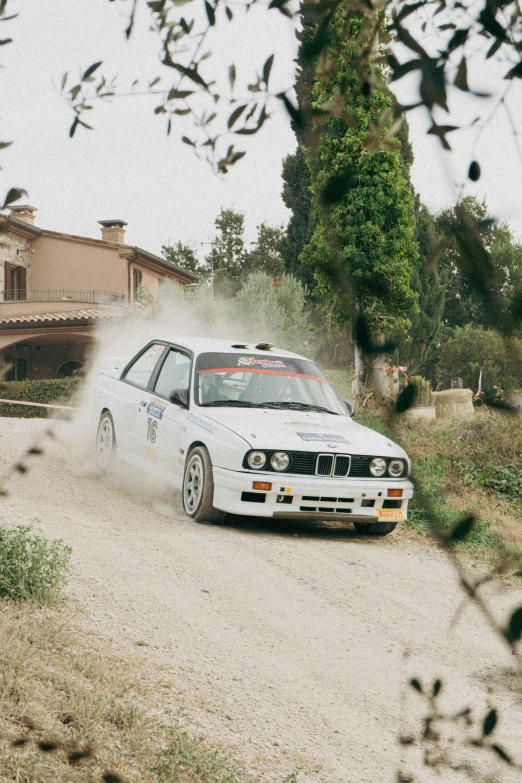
(208, 344)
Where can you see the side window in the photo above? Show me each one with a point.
(175, 373)
(139, 373)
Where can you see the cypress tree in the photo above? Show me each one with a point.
(363, 247)
(296, 175)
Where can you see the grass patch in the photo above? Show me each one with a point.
(31, 567)
(465, 466)
(73, 711)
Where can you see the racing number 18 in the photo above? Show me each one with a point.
(152, 426)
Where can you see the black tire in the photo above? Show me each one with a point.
(198, 488)
(105, 448)
(375, 528)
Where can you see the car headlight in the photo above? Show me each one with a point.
(280, 460)
(396, 468)
(256, 460)
(378, 466)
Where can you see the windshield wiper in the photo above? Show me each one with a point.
(241, 403)
(300, 406)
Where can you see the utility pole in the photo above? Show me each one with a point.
(214, 271)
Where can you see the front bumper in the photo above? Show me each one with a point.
(306, 497)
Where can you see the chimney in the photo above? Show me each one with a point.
(24, 212)
(113, 230)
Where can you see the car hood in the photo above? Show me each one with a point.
(302, 431)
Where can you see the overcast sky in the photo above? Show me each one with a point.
(127, 167)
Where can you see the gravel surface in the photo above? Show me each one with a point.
(289, 645)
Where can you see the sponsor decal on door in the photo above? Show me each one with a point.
(156, 408)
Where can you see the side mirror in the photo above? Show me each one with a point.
(179, 397)
(350, 407)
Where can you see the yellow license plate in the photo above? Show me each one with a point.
(391, 514)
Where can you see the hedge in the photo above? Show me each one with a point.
(53, 391)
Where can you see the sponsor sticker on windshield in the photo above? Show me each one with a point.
(321, 437)
(156, 408)
(251, 361)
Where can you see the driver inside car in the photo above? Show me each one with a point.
(268, 388)
(211, 387)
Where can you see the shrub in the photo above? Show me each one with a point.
(277, 308)
(502, 480)
(472, 348)
(31, 567)
(48, 392)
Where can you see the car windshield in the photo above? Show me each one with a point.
(236, 380)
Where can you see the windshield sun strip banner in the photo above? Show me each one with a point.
(265, 372)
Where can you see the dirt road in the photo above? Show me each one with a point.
(285, 643)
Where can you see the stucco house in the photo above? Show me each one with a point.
(54, 287)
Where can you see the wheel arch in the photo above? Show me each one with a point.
(194, 445)
(190, 449)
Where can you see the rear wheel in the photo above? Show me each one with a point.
(375, 528)
(198, 488)
(105, 442)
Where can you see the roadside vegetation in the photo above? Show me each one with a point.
(465, 466)
(70, 708)
(31, 567)
(47, 392)
(73, 710)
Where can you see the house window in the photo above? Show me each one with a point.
(17, 369)
(15, 282)
(136, 282)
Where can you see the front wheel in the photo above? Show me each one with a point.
(198, 488)
(375, 528)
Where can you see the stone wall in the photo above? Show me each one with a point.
(9, 244)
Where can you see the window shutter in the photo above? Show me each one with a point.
(7, 280)
(137, 278)
(23, 283)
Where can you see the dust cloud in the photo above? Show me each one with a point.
(175, 315)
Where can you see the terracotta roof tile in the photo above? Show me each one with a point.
(87, 313)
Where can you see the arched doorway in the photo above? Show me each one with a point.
(47, 354)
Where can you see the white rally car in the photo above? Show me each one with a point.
(249, 430)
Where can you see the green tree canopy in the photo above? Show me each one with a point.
(185, 256)
(472, 349)
(418, 349)
(266, 256)
(299, 231)
(227, 256)
(363, 245)
(465, 302)
(296, 173)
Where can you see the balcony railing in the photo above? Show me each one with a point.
(61, 295)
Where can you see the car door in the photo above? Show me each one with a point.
(165, 419)
(131, 418)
